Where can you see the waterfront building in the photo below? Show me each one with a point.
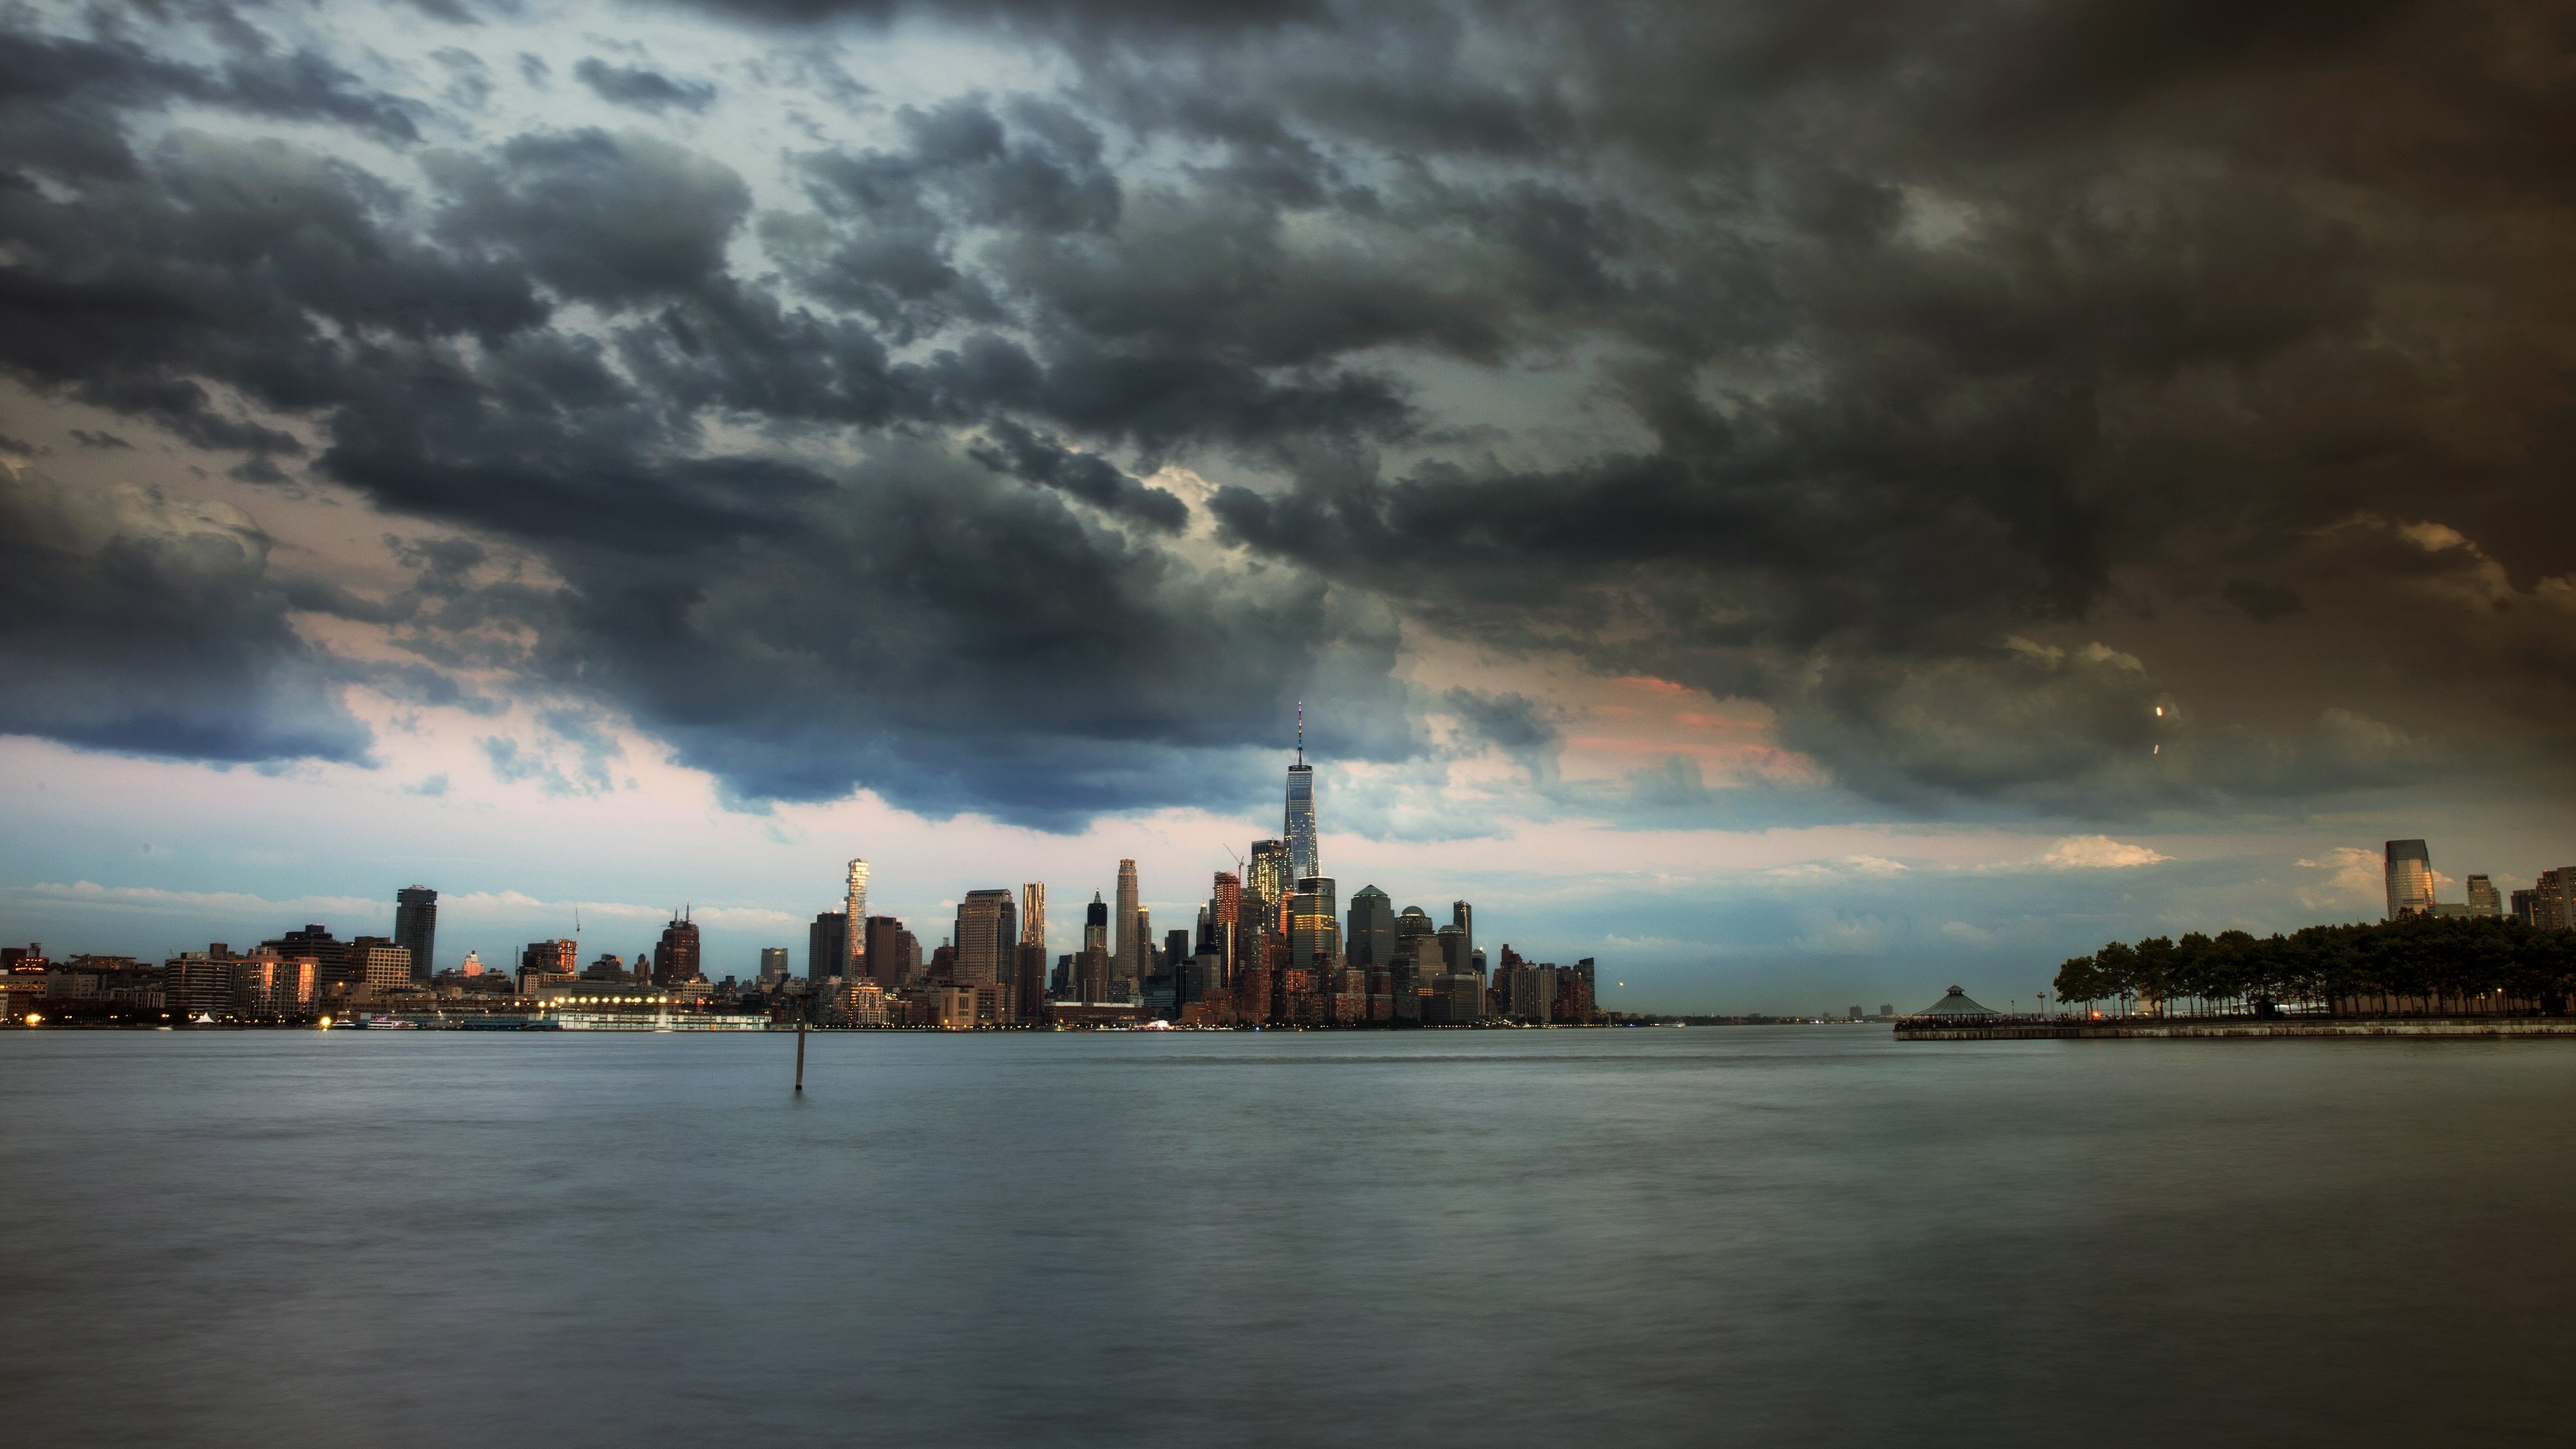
(2483, 898)
(988, 930)
(675, 957)
(377, 963)
(416, 927)
(1956, 1005)
(1454, 1000)
(1028, 981)
(854, 908)
(1370, 940)
(543, 962)
(196, 982)
(1303, 861)
(264, 985)
(1126, 949)
(316, 941)
(1573, 1001)
(2408, 867)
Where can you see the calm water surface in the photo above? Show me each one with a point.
(1752, 1235)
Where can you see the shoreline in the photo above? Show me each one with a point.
(2229, 1027)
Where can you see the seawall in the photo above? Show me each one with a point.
(2181, 1027)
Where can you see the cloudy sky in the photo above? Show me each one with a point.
(1802, 503)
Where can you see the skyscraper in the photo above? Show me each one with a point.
(675, 958)
(773, 963)
(1314, 936)
(1127, 950)
(1463, 917)
(827, 946)
(2409, 869)
(1267, 883)
(1225, 915)
(854, 909)
(1033, 914)
(1370, 941)
(1095, 926)
(416, 927)
(2484, 900)
(1303, 862)
(987, 938)
(890, 951)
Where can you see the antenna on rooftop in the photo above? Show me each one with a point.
(1301, 732)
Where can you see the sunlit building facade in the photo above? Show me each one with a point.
(2409, 869)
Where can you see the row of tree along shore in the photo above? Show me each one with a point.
(2412, 966)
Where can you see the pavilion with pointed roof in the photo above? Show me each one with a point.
(1957, 1003)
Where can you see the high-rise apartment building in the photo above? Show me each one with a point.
(1127, 949)
(675, 957)
(2553, 900)
(988, 930)
(316, 941)
(2484, 900)
(377, 962)
(854, 909)
(1033, 915)
(2409, 870)
(1299, 831)
(827, 946)
(1370, 941)
(416, 927)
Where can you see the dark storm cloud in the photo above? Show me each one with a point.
(1025, 455)
(1961, 381)
(600, 217)
(150, 625)
(644, 90)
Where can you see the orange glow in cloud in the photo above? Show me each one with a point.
(1660, 686)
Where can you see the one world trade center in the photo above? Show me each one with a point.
(1300, 830)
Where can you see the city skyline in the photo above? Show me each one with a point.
(999, 934)
(606, 456)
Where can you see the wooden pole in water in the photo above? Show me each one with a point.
(801, 1014)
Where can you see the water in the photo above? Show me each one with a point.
(1754, 1235)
